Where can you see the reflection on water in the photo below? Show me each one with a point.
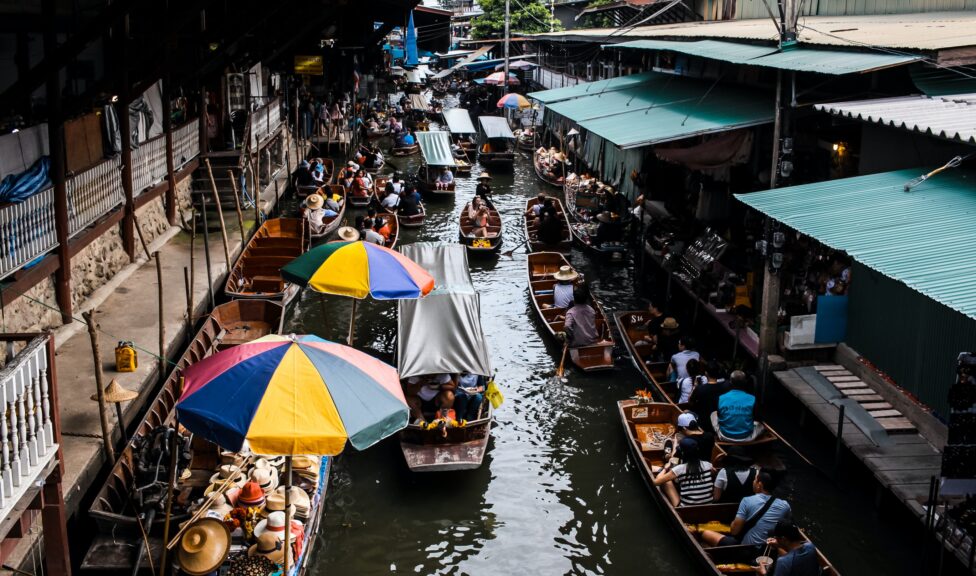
(556, 493)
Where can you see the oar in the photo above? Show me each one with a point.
(558, 378)
(788, 445)
(510, 252)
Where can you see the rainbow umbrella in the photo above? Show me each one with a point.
(292, 395)
(513, 101)
(498, 78)
(359, 269)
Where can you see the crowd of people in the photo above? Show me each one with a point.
(544, 222)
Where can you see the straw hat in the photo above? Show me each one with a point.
(303, 462)
(204, 547)
(298, 498)
(228, 471)
(220, 507)
(251, 495)
(275, 524)
(670, 324)
(314, 201)
(276, 503)
(266, 478)
(115, 393)
(269, 546)
(484, 176)
(228, 457)
(348, 233)
(566, 274)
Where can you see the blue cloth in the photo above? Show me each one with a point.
(562, 295)
(802, 561)
(750, 506)
(408, 140)
(410, 44)
(735, 414)
(16, 188)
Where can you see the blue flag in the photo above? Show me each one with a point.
(411, 43)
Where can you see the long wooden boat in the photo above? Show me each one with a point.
(488, 244)
(536, 163)
(541, 267)
(615, 252)
(645, 424)
(462, 167)
(576, 198)
(405, 150)
(328, 172)
(257, 272)
(428, 185)
(462, 448)
(332, 223)
(496, 155)
(414, 221)
(565, 244)
(374, 134)
(230, 324)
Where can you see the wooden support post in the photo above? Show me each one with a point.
(55, 129)
(102, 408)
(125, 128)
(257, 182)
(769, 313)
(189, 304)
(171, 201)
(237, 206)
(162, 319)
(220, 214)
(838, 448)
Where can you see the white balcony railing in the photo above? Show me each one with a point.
(26, 426)
(148, 164)
(550, 79)
(93, 194)
(26, 231)
(264, 121)
(186, 143)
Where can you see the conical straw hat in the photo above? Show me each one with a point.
(115, 393)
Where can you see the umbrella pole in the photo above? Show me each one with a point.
(287, 513)
(352, 323)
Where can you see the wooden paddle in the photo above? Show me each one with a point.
(559, 378)
(510, 252)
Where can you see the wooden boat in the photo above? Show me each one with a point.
(405, 150)
(427, 183)
(645, 423)
(414, 221)
(496, 154)
(488, 244)
(332, 223)
(257, 272)
(577, 198)
(381, 132)
(531, 229)
(541, 267)
(495, 143)
(444, 447)
(526, 141)
(462, 167)
(536, 163)
(229, 324)
(609, 251)
(328, 172)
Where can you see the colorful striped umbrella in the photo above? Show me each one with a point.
(498, 78)
(292, 395)
(359, 269)
(513, 101)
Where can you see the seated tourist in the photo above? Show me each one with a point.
(302, 175)
(688, 427)
(689, 482)
(734, 421)
(391, 201)
(445, 179)
(433, 394)
(580, 326)
(687, 385)
(382, 226)
(797, 555)
(704, 399)
(735, 480)
(360, 186)
(562, 290)
(316, 213)
(756, 517)
(468, 396)
(533, 212)
(395, 184)
(408, 206)
(369, 233)
(678, 365)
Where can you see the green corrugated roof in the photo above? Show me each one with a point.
(436, 148)
(799, 58)
(587, 88)
(665, 108)
(923, 238)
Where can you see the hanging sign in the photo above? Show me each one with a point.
(309, 65)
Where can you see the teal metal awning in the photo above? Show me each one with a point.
(799, 58)
(458, 121)
(587, 88)
(495, 127)
(923, 238)
(436, 148)
(665, 107)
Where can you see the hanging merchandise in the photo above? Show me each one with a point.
(126, 357)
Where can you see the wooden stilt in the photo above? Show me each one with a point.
(102, 408)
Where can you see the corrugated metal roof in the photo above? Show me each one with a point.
(950, 117)
(942, 81)
(458, 121)
(469, 58)
(664, 107)
(436, 147)
(920, 31)
(923, 238)
(798, 58)
(495, 127)
(587, 88)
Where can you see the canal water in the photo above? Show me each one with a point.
(557, 493)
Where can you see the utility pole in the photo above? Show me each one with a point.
(508, 19)
(552, 15)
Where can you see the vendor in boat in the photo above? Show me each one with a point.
(445, 179)
(609, 230)
(316, 213)
(469, 396)
(688, 482)
(579, 328)
(431, 394)
(756, 517)
(483, 190)
(734, 420)
(797, 555)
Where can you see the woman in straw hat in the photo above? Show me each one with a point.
(483, 190)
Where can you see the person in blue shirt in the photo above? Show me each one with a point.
(755, 518)
(409, 139)
(734, 421)
(468, 396)
(798, 557)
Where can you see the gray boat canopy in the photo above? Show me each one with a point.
(495, 127)
(435, 145)
(458, 121)
(441, 333)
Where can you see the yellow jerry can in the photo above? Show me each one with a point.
(126, 358)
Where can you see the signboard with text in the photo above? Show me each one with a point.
(309, 65)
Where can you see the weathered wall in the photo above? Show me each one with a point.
(96, 264)
(26, 315)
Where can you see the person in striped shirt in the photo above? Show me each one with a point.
(689, 482)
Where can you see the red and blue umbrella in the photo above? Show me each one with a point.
(513, 101)
(292, 395)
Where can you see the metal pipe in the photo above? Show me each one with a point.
(206, 251)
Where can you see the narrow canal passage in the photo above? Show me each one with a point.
(557, 493)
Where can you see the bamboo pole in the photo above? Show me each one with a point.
(206, 252)
(142, 239)
(162, 323)
(287, 513)
(170, 488)
(352, 323)
(102, 409)
(220, 214)
(189, 303)
(237, 206)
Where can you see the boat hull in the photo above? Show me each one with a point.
(257, 272)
